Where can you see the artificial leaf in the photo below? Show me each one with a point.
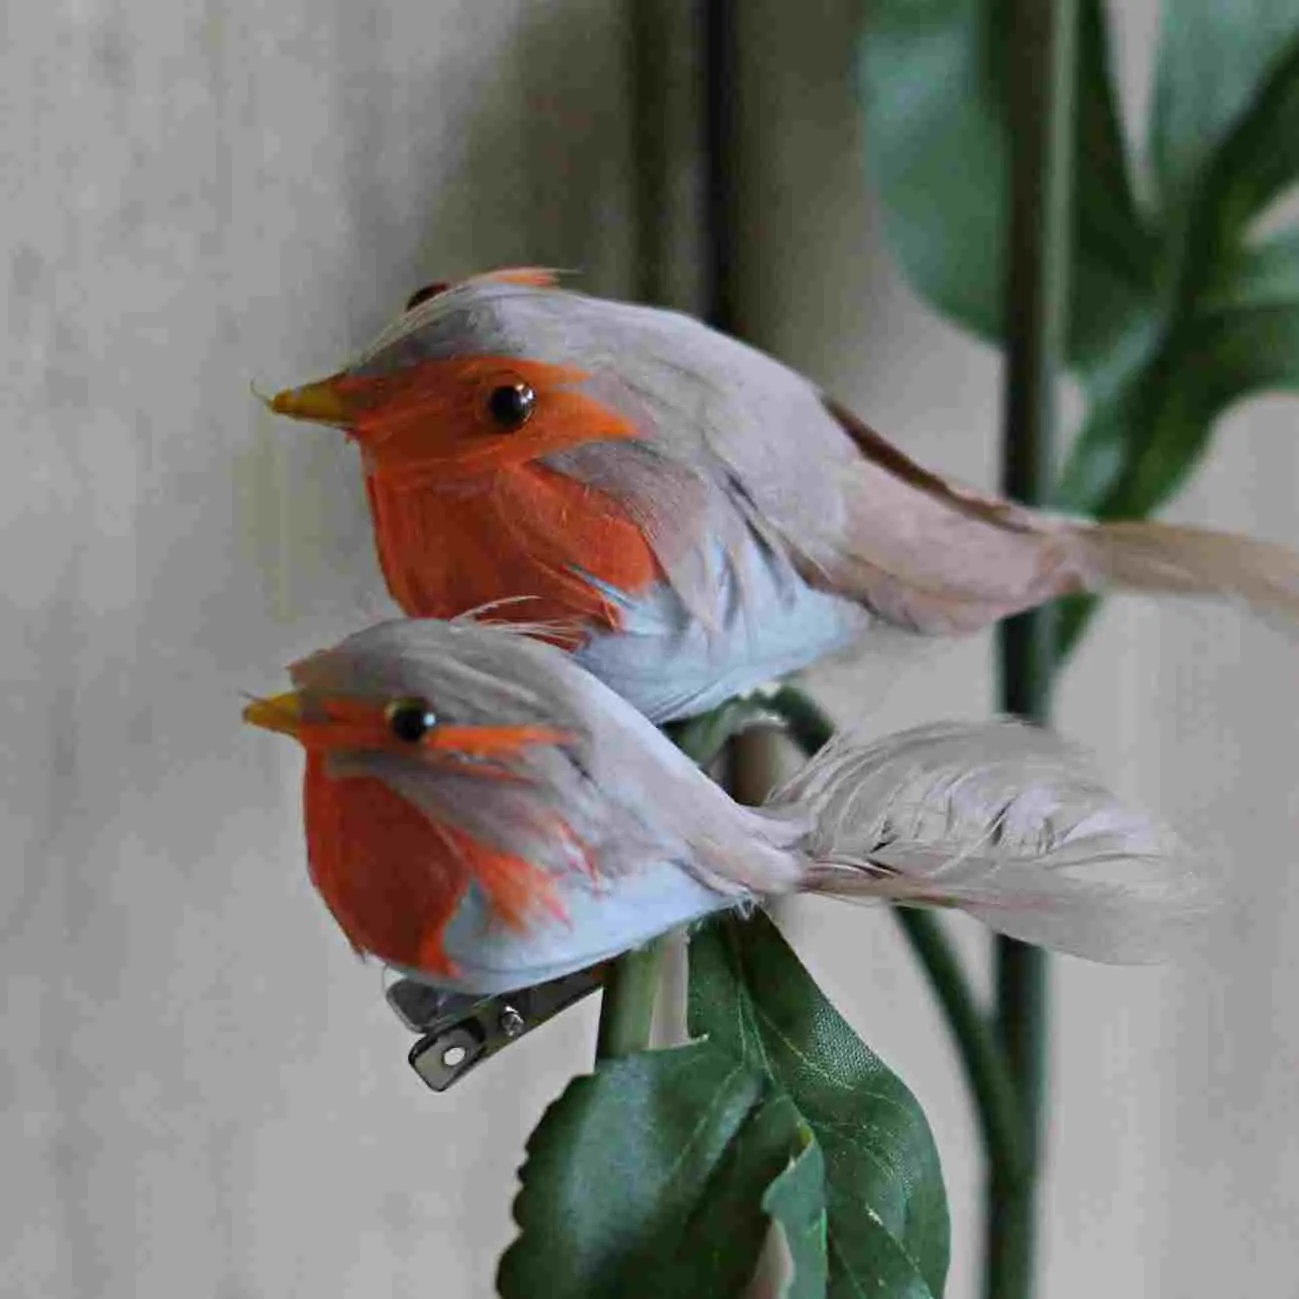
(1136, 450)
(1221, 66)
(795, 1202)
(936, 84)
(1259, 275)
(887, 1226)
(704, 737)
(934, 81)
(1173, 317)
(649, 1178)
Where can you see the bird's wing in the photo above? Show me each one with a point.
(934, 555)
(739, 450)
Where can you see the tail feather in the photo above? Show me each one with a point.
(1005, 822)
(938, 557)
(1159, 557)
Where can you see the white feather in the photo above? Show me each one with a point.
(1007, 823)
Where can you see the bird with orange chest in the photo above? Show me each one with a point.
(688, 515)
(483, 814)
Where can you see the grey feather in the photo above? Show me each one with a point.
(1007, 823)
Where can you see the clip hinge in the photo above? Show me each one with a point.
(460, 1031)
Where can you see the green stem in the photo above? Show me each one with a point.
(977, 1044)
(627, 1003)
(631, 982)
(1043, 37)
(982, 1055)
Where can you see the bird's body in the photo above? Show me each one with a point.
(690, 516)
(483, 813)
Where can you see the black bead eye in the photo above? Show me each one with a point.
(511, 405)
(424, 294)
(410, 720)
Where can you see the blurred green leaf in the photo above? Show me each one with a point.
(652, 1177)
(704, 737)
(935, 77)
(1265, 275)
(1223, 84)
(1175, 316)
(1137, 449)
(887, 1226)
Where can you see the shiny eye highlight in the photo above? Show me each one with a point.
(410, 720)
(511, 404)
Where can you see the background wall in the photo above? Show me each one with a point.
(202, 1091)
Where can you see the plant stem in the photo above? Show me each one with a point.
(980, 1050)
(627, 1003)
(631, 982)
(1043, 39)
(983, 1055)
(721, 220)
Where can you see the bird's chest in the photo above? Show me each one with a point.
(524, 533)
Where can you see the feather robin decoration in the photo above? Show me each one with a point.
(688, 515)
(483, 814)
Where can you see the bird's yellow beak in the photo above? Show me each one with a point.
(318, 403)
(281, 713)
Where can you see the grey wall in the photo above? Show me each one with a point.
(202, 1092)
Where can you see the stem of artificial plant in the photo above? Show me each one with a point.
(676, 109)
(627, 1003)
(1043, 36)
(977, 1043)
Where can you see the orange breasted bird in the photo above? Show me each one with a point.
(690, 516)
(483, 814)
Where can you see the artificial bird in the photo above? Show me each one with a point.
(483, 814)
(686, 514)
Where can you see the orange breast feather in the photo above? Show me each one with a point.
(466, 513)
(520, 532)
(393, 880)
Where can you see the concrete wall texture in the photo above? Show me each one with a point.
(201, 1091)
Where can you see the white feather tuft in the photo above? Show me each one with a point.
(1003, 821)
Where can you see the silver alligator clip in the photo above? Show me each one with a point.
(460, 1031)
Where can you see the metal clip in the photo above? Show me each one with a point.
(461, 1031)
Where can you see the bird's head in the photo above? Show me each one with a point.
(425, 701)
(481, 811)
(495, 371)
(441, 756)
(523, 440)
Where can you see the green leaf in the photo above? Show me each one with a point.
(1137, 450)
(933, 77)
(704, 737)
(1173, 318)
(936, 84)
(651, 1177)
(795, 1201)
(1262, 275)
(1223, 90)
(887, 1225)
